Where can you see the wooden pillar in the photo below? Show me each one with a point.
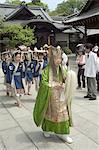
(85, 35)
(69, 41)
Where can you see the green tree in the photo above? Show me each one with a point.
(68, 7)
(1, 24)
(38, 3)
(32, 3)
(13, 2)
(17, 34)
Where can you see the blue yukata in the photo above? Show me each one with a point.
(28, 70)
(35, 72)
(23, 69)
(8, 69)
(4, 64)
(45, 62)
(18, 75)
(41, 66)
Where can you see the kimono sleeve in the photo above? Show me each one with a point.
(42, 99)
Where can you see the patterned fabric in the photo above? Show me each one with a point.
(57, 109)
(49, 111)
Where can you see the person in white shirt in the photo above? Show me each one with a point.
(90, 71)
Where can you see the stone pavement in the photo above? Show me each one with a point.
(18, 131)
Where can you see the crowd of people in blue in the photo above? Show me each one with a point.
(23, 68)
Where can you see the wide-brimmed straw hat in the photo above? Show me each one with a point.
(4, 53)
(35, 49)
(45, 46)
(22, 47)
(16, 51)
(79, 45)
(40, 51)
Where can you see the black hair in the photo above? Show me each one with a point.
(89, 46)
(98, 53)
(17, 53)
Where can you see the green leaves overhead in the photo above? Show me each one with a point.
(32, 3)
(68, 7)
(13, 1)
(18, 34)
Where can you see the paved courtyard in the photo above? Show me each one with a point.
(18, 131)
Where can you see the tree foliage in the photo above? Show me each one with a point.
(68, 7)
(13, 2)
(38, 3)
(17, 34)
(32, 3)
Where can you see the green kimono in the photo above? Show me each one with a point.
(49, 111)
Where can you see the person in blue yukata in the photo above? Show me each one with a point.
(8, 67)
(45, 57)
(42, 62)
(17, 77)
(3, 56)
(40, 65)
(35, 70)
(29, 65)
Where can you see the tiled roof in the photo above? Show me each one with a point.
(90, 10)
(7, 11)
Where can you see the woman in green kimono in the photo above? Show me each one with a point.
(52, 110)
